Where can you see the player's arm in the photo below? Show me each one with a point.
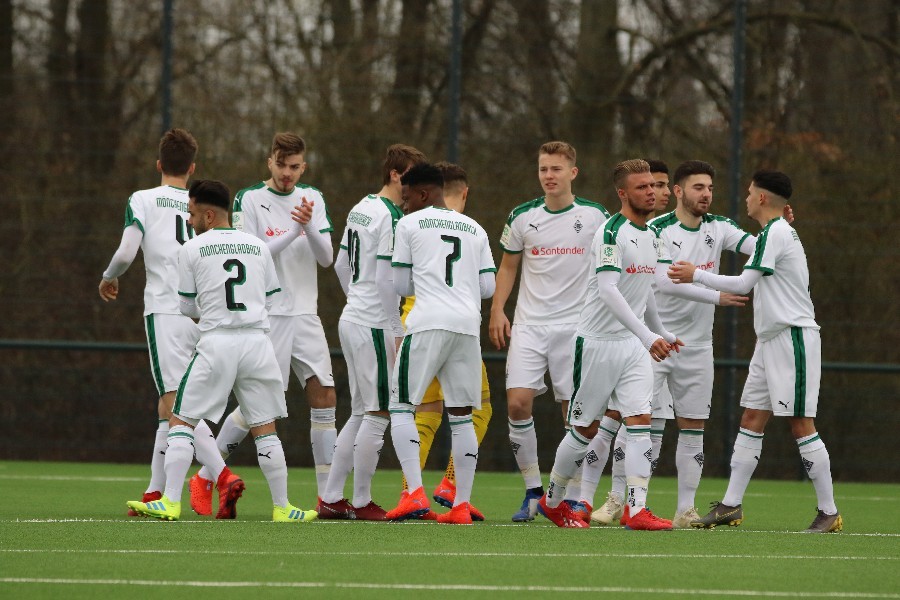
(319, 237)
(187, 287)
(487, 284)
(685, 272)
(384, 277)
(343, 270)
(121, 260)
(693, 292)
(403, 283)
(654, 322)
(499, 327)
(611, 296)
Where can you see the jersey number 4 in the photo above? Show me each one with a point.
(454, 255)
(230, 283)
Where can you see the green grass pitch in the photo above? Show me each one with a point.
(64, 534)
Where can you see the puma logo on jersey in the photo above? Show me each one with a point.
(634, 242)
(267, 454)
(475, 456)
(268, 208)
(416, 442)
(677, 244)
(533, 225)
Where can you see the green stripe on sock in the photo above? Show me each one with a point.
(809, 441)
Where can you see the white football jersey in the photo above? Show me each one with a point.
(633, 251)
(162, 214)
(555, 248)
(447, 253)
(781, 298)
(261, 211)
(368, 238)
(230, 273)
(692, 321)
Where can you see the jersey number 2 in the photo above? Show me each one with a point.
(452, 257)
(229, 265)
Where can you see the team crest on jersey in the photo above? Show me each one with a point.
(578, 226)
(709, 241)
(504, 237)
(608, 256)
(237, 221)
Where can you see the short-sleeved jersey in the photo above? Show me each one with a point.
(229, 273)
(555, 248)
(691, 321)
(633, 251)
(162, 215)
(781, 298)
(261, 211)
(447, 253)
(368, 238)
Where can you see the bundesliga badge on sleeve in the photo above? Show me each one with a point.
(608, 256)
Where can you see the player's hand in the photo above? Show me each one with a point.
(677, 345)
(726, 299)
(109, 289)
(681, 272)
(661, 348)
(788, 213)
(303, 214)
(499, 329)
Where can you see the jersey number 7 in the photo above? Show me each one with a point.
(452, 257)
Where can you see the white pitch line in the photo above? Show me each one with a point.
(448, 587)
(410, 523)
(441, 554)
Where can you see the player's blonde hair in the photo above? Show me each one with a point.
(557, 147)
(629, 167)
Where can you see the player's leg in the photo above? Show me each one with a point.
(311, 363)
(526, 364)
(798, 388)
(417, 363)
(634, 391)
(691, 384)
(596, 458)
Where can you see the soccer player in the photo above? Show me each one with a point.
(444, 259)
(156, 221)
(610, 425)
(550, 237)
(292, 219)
(430, 412)
(226, 279)
(683, 385)
(785, 370)
(370, 331)
(611, 350)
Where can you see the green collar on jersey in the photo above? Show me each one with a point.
(560, 211)
(175, 187)
(223, 229)
(277, 193)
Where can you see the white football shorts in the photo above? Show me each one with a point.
(785, 373)
(300, 345)
(370, 357)
(683, 383)
(241, 360)
(538, 349)
(171, 340)
(454, 358)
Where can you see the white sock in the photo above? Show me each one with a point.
(657, 430)
(573, 490)
(689, 462)
(367, 451)
(406, 441)
(342, 460)
(464, 445)
(232, 432)
(270, 454)
(569, 454)
(158, 461)
(596, 458)
(747, 450)
(818, 466)
(618, 466)
(638, 453)
(322, 435)
(206, 450)
(179, 456)
(523, 439)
